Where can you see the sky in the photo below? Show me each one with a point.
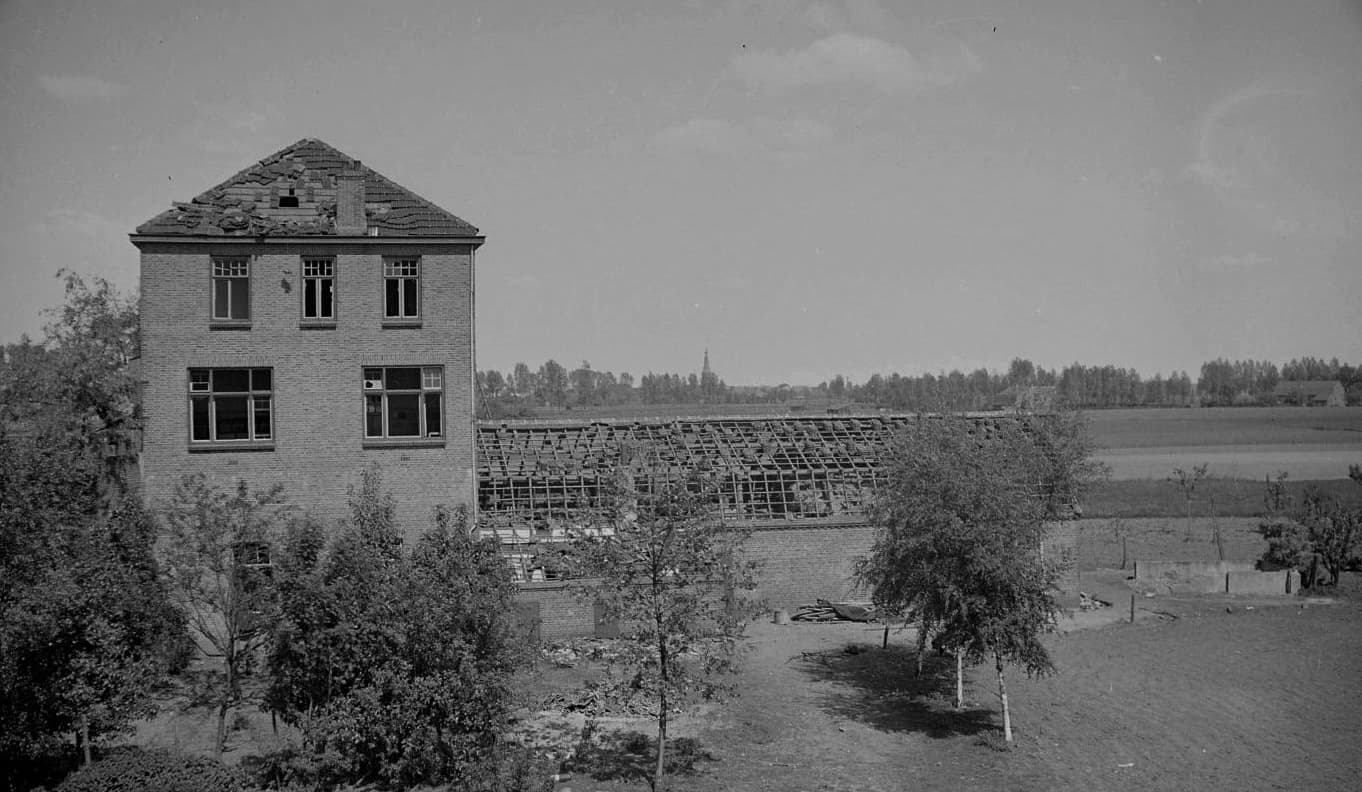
(802, 188)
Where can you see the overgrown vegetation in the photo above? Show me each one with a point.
(85, 625)
(1318, 534)
(132, 769)
(961, 518)
(393, 662)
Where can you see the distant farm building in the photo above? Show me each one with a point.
(1310, 393)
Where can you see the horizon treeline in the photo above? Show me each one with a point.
(1220, 382)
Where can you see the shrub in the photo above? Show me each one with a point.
(394, 663)
(133, 769)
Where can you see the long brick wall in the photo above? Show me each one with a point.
(318, 449)
(799, 564)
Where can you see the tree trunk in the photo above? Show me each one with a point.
(959, 679)
(921, 645)
(224, 703)
(85, 739)
(1002, 694)
(661, 717)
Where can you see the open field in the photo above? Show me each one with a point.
(1306, 462)
(1217, 496)
(1195, 698)
(1227, 426)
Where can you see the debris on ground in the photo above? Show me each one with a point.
(1087, 601)
(825, 611)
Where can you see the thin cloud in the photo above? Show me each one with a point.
(76, 88)
(782, 138)
(1231, 262)
(834, 17)
(232, 129)
(850, 59)
(837, 59)
(83, 223)
(704, 136)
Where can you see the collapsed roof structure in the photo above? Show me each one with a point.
(540, 481)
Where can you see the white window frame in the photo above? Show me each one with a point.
(259, 401)
(233, 272)
(400, 270)
(318, 272)
(377, 403)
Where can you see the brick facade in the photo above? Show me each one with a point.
(318, 447)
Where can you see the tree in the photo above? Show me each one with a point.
(584, 383)
(84, 624)
(1319, 530)
(962, 516)
(667, 569)
(394, 664)
(216, 556)
(552, 384)
(1187, 482)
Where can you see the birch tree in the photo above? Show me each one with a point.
(962, 516)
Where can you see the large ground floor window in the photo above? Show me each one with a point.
(230, 404)
(403, 401)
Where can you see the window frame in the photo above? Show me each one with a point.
(430, 382)
(303, 279)
(402, 319)
(228, 321)
(253, 395)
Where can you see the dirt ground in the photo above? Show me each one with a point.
(1263, 695)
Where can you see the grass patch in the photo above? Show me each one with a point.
(1221, 497)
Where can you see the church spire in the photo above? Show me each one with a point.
(706, 370)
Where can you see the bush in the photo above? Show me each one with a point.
(507, 767)
(133, 769)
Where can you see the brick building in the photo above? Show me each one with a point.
(305, 319)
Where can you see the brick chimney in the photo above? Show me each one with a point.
(350, 219)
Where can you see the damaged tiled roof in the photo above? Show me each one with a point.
(304, 175)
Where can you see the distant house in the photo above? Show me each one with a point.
(1310, 393)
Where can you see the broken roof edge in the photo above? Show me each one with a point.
(551, 423)
(475, 241)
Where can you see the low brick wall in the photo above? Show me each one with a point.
(555, 609)
(799, 563)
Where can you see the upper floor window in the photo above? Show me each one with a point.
(227, 404)
(232, 289)
(402, 288)
(319, 288)
(402, 401)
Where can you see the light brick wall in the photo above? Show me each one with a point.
(317, 385)
(799, 564)
(802, 564)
